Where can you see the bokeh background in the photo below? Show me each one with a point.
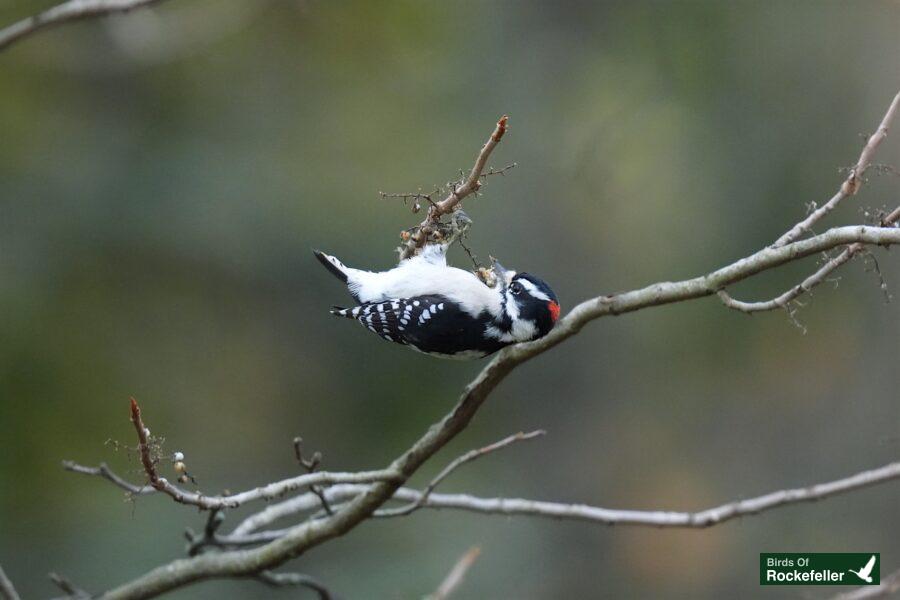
(163, 176)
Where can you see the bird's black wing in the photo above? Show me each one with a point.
(393, 319)
(430, 324)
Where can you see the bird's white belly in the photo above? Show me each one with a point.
(419, 278)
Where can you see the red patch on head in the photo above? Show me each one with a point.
(554, 310)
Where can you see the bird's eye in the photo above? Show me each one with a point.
(516, 288)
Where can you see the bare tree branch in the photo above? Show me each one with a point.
(853, 182)
(311, 465)
(457, 192)
(889, 585)
(817, 278)
(849, 187)
(458, 462)
(361, 502)
(73, 10)
(581, 512)
(104, 471)
(700, 519)
(304, 536)
(246, 533)
(266, 492)
(457, 574)
(7, 589)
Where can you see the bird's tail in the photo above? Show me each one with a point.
(349, 313)
(335, 266)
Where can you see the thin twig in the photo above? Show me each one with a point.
(294, 580)
(458, 462)
(457, 192)
(415, 196)
(7, 589)
(501, 171)
(266, 492)
(104, 471)
(457, 574)
(850, 185)
(73, 10)
(67, 586)
(311, 465)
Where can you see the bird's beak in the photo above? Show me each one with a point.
(501, 273)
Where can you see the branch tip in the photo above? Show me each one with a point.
(501, 128)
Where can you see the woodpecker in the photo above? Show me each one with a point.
(443, 311)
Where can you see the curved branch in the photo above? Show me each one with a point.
(458, 462)
(295, 580)
(73, 10)
(247, 532)
(853, 182)
(104, 471)
(698, 287)
(307, 535)
(810, 282)
(699, 519)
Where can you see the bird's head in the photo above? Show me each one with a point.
(530, 308)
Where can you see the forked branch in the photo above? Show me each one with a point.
(422, 234)
(580, 512)
(266, 492)
(854, 180)
(849, 187)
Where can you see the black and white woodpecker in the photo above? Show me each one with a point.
(443, 311)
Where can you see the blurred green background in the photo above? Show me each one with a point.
(163, 176)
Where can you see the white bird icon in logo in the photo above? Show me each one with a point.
(866, 572)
